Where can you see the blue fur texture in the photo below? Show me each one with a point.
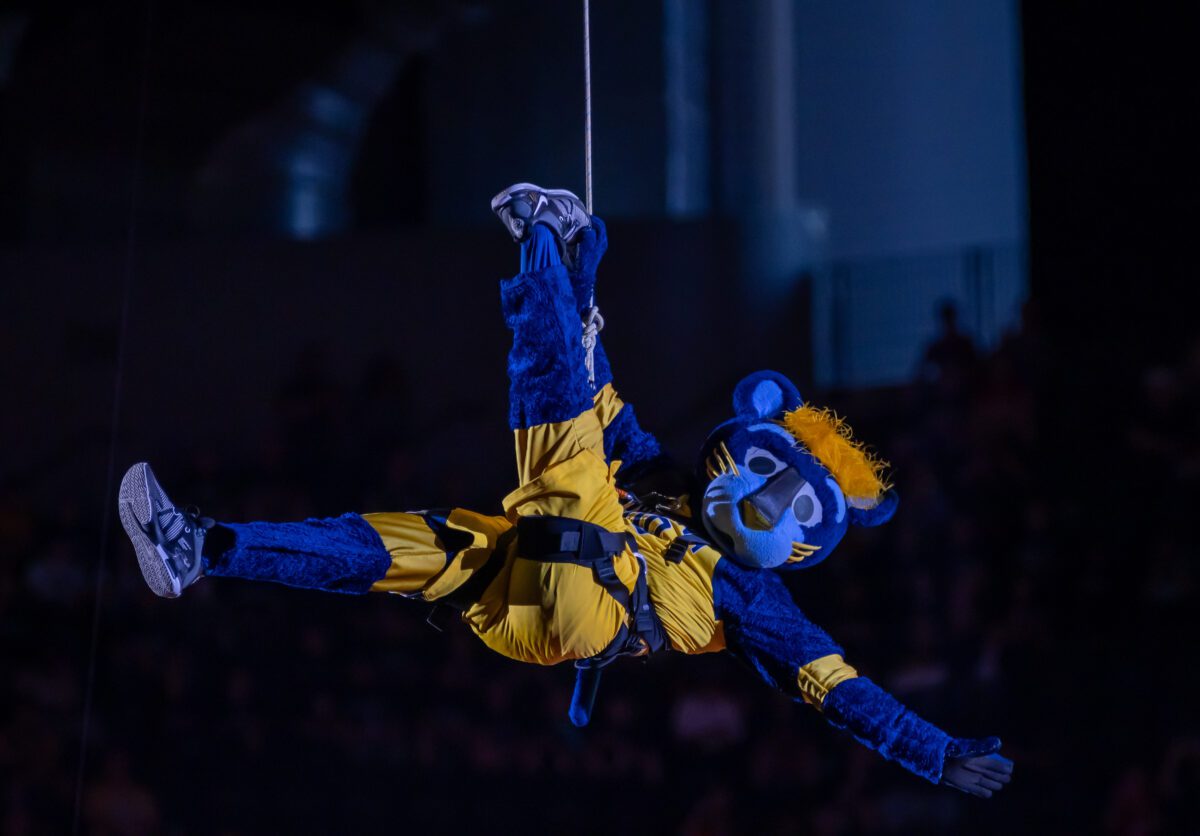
(881, 513)
(880, 722)
(764, 394)
(339, 554)
(624, 439)
(765, 628)
(763, 625)
(547, 378)
(593, 243)
(966, 747)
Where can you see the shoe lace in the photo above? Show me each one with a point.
(192, 513)
(172, 521)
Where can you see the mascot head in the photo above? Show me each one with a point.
(784, 480)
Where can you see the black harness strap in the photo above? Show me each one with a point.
(563, 540)
(681, 545)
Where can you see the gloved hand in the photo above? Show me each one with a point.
(589, 249)
(976, 767)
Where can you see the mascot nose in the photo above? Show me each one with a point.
(765, 507)
(753, 517)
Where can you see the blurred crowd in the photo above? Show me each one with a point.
(1042, 597)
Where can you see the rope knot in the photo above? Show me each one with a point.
(593, 324)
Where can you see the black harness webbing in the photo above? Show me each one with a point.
(564, 540)
(681, 545)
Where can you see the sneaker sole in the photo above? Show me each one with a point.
(133, 502)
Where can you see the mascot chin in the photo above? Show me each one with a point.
(583, 566)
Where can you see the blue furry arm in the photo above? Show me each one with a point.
(880, 722)
(593, 244)
(624, 438)
(764, 628)
(638, 450)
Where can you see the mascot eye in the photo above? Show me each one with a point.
(761, 462)
(806, 507)
(761, 465)
(803, 508)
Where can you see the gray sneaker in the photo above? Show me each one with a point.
(167, 541)
(522, 205)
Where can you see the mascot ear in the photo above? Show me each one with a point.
(881, 513)
(764, 394)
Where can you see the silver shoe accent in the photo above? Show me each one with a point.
(522, 205)
(167, 541)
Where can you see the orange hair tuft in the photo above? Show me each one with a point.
(859, 473)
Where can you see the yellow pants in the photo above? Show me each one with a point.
(531, 611)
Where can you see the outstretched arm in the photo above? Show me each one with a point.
(765, 628)
(624, 438)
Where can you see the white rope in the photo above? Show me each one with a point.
(587, 105)
(593, 322)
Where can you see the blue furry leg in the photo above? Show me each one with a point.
(339, 554)
(881, 723)
(547, 377)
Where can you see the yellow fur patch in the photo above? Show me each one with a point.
(858, 472)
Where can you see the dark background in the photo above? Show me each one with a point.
(250, 243)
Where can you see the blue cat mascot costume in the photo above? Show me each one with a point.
(582, 566)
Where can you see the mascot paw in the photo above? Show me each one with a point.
(976, 766)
